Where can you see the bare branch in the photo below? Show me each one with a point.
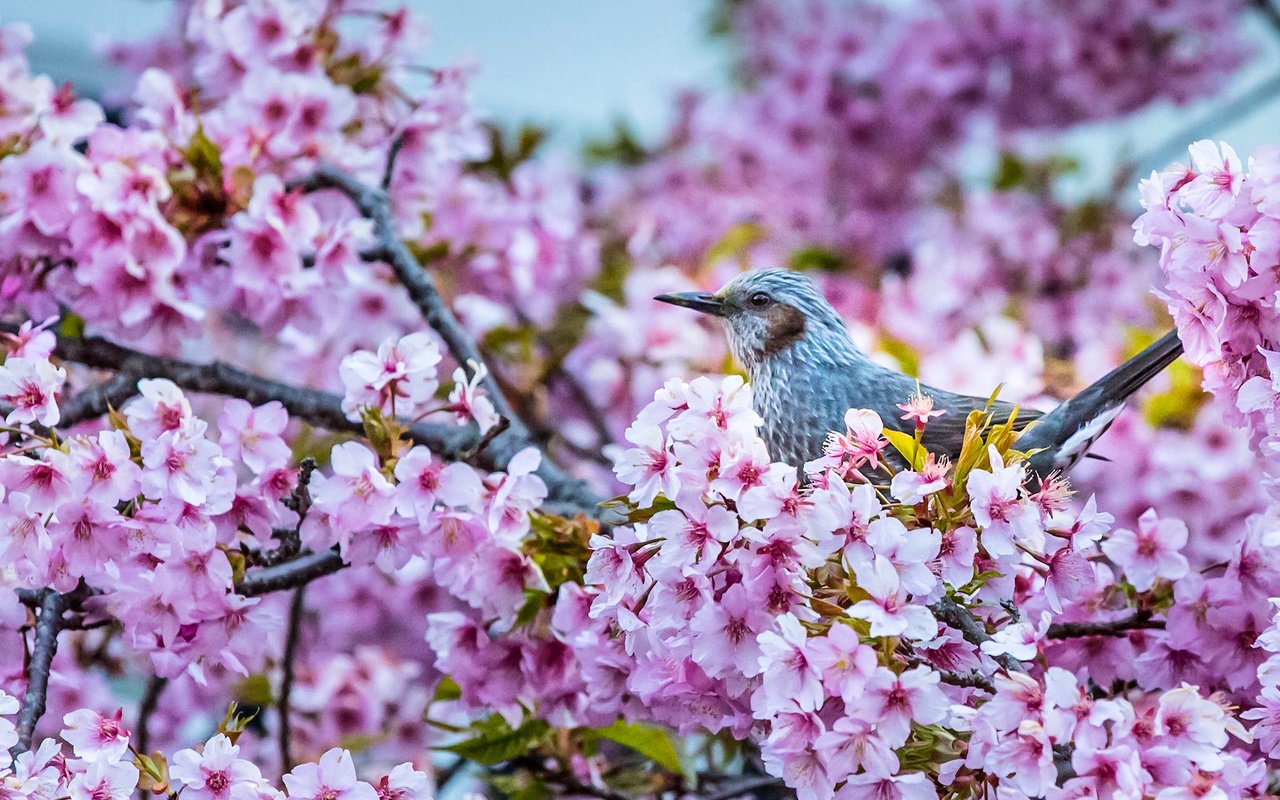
(1138, 620)
(286, 681)
(960, 618)
(147, 708)
(747, 786)
(493, 433)
(94, 401)
(291, 574)
(1175, 146)
(315, 406)
(48, 625)
(375, 205)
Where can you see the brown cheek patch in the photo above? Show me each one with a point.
(785, 328)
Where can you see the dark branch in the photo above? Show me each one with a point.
(147, 708)
(1138, 620)
(318, 407)
(1175, 146)
(1269, 12)
(286, 681)
(375, 206)
(497, 430)
(960, 618)
(41, 665)
(96, 400)
(747, 786)
(291, 574)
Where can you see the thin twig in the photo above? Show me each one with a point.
(48, 625)
(147, 708)
(393, 152)
(1269, 12)
(1138, 620)
(747, 786)
(286, 681)
(494, 432)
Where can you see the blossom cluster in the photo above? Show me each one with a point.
(743, 600)
(103, 765)
(1215, 223)
(188, 219)
(846, 111)
(153, 512)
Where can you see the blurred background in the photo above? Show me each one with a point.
(575, 68)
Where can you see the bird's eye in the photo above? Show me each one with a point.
(759, 300)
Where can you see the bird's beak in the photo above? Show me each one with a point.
(705, 302)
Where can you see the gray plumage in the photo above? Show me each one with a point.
(806, 372)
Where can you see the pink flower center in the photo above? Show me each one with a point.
(32, 396)
(217, 782)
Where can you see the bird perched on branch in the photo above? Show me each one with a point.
(806, 373)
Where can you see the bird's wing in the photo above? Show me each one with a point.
(944, 435)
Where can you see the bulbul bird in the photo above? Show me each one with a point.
(806, 372)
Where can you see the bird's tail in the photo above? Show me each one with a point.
(1117, 385)
(1078, 422)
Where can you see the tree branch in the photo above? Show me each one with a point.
(747, 786)
(147, 708)
(1138, 620)
(1175, 146)
(290, 574)
(48, 625)
(286, 681)
(94, 401)
(374, 204)
(313, 405)
(960, 618)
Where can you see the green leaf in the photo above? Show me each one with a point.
(497, 741)
(907, 447)
(204, 156)
(648, 740)
(735, 242)
(71, 326)
(447, 689)
(816, 259)
(255, 690)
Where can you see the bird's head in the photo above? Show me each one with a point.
(768, 312)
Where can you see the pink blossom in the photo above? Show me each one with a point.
(333, 778)
(399, 379)
(254, 434)
(216, 773)
(31, 388)
(888, 610)
(790, 676)
(162, 407)
(1214, 190)
(843, 661)
(725, 633)
(357, 494)
(893, 702)
(998, 507)
(469, 400)
(649, 467)
(95, 737)
(105, 779)
(1152, 552)
(422, 482)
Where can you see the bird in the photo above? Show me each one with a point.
(806, 373)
